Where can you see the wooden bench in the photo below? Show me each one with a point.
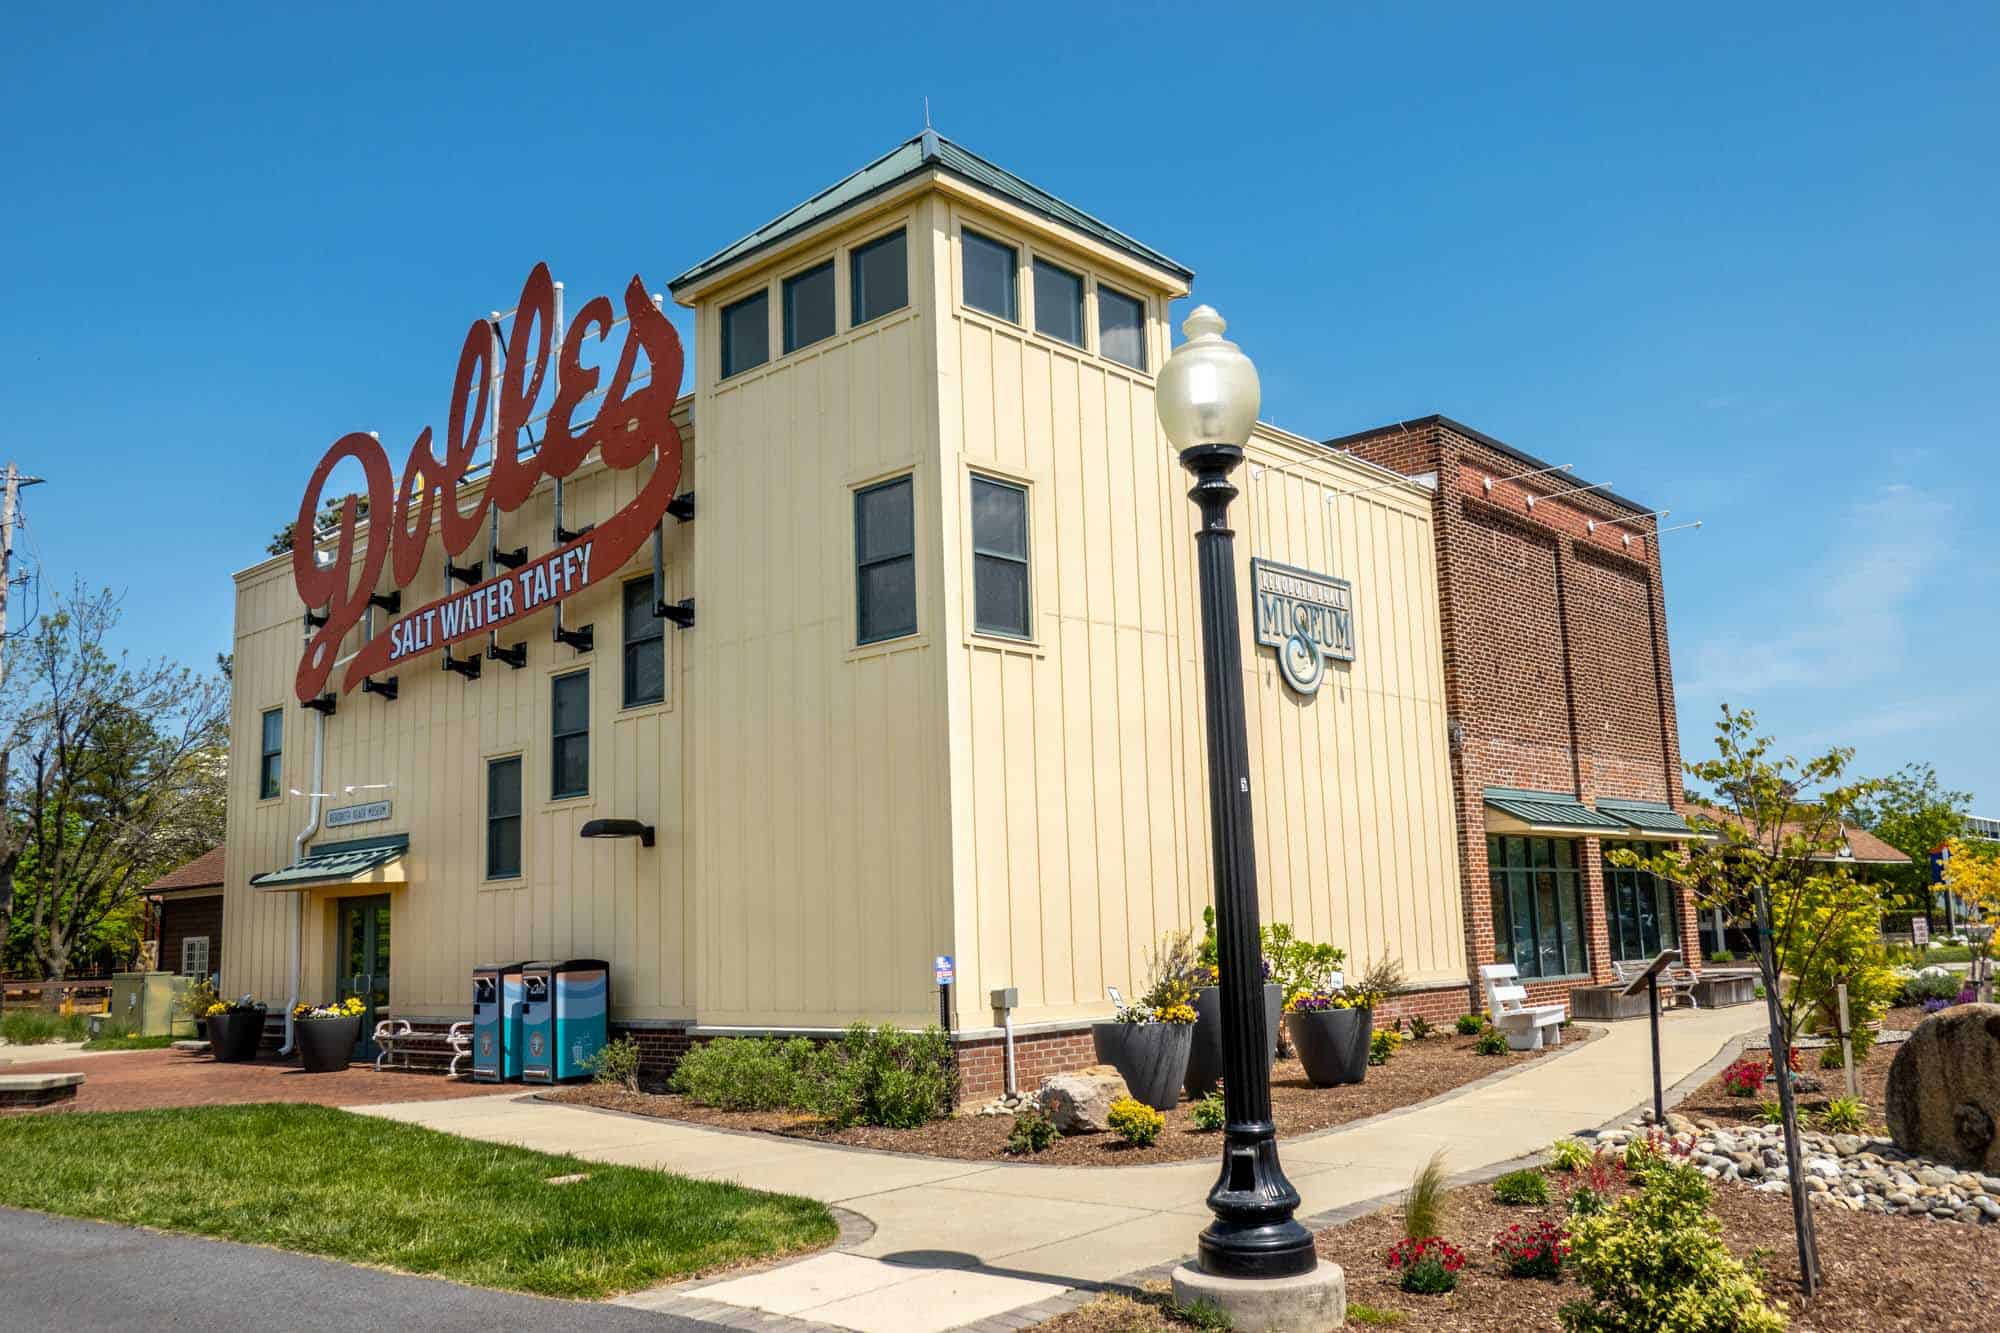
(1526, 1027)
(1678, 981)
(398, 1040)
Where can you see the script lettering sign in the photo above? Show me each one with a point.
(1307, 617)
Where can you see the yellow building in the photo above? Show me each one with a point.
(941, 692)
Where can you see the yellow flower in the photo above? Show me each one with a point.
(217, 1008)
(1176, 1013)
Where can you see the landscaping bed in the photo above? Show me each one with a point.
(1713, 1100)
(324, 1182)
(1418, 1071)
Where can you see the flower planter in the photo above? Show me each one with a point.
(233, 1036)
(1151, 1058)
(1204, 1069)
(1332, 1044)
(326, 1045)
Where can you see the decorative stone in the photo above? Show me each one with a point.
(38, 1089)
(1943, 1098)
(1310, 1303)
(1079, 1103)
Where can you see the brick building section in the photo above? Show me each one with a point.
(184, 918)
(1557, 673)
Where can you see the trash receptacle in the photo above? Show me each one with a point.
(564, 1010)
(496, 1022)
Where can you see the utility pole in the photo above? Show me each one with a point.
(8, 508)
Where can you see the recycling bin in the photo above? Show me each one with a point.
(564, 1006)
(496, 1022)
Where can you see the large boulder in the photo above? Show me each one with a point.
(1944, 1088)
(1080, 1103)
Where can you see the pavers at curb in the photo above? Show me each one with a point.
(37, 1089)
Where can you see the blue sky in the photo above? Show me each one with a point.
(1738, 263)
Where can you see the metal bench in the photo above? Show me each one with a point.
(396, 1039)
(1526, 1027)
(1678, 981)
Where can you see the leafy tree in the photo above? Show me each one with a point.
(1972, 872)
(1914, 813)
(324, 526)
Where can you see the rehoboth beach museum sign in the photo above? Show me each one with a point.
(1307, 617)
(631, 425)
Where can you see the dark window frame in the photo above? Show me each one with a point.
(968, 237)
(857, 290)
(1626, 931)
(907, 481)
(979, 625)
(1082, 301)
(270, 758)
(1513, 881)
(1139, 305)
(558, 740)
(726, 363)
(789, 340)
(651, 629)
(497, 819)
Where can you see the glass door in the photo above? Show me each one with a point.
(363, 963)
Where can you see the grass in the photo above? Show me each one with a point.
(36, 1026)
(129, 1041)
(325, 1182)
(1357, 1313)
(1423, 1204)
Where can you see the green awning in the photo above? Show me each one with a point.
(1646, 816)
(359, 861)
(1551, 810)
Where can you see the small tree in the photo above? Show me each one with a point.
(1972, 874)
(1913, 812)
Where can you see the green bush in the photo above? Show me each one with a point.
(1771, 1111)
(870, 1076)
(1135, 1122)
(34, 1027)
(1722, 956)
(1421, 1029)
(1209, 1113)
(1656, 1261)
(1383, 1045)
(1468, 1024)
(616, 1063)
(1913, 991)
(1032, 1132)
(1521, 1189)
(1844, 1115)
(1569, 1155)
(1490, 1043)
(743, 1073)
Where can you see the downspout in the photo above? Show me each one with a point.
(297, 911)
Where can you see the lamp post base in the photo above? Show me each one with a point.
(1307, 1303)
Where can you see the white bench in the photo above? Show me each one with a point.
(1526, 1027)
(1678, 980)
(396, 1039)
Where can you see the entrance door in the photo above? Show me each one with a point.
(364, 963)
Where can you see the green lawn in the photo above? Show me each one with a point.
(127, 1041)
(372, 1191)
(31, 1025)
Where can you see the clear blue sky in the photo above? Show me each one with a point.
(1737, 264)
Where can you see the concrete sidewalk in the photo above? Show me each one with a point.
(959, 1242)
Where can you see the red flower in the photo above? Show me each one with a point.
(1410, 1251)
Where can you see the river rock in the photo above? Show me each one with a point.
(1944, 1088)
(1079, 1103)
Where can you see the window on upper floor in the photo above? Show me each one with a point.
(746, 334)
(885, 556)
(999, 558)
(991, 276)
(1058, 303)
(1121, 328)
(503, 818)
(645, 646)
(271, 768)
(569, 735)
(809, 307)
(879, 277)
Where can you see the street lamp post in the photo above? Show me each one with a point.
(1207, 398)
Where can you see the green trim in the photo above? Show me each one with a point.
(338, 860)
(1550, 810)
(1652, 816)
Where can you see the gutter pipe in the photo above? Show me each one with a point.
(296, 913)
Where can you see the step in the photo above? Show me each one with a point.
(37, 1089)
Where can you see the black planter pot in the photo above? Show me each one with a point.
(1107, 1040)
(326, 1045)
(1151, 1058)
(1204, 1069)
(233, 1036)
(1332, 1044)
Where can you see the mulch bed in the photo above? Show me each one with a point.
(1712, 1101)
(1417, 1072)
(150, 1080)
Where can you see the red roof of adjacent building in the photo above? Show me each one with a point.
(204, 872)
(1863, 847)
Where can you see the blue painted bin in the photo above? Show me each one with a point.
(564, 1016)
(496, 1022)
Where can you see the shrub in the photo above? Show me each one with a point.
(1296, 965)
(1135, 1122)
(1844, 1115)
(1592, 1190)
(33, 1027)
(879, 1076)
(1744, 1078)
(1521, 1189)
(1209, 1113)
(1721, 956)
(1490, 1043)
(1570, 1155)
(1656, 1149)
(1937, 1005)
(1914, 990)
(1383, 1045)
(1423, 1203)
(197, 998)
(743, 1073)
(1771, 1111)
(617, 1063)
(1656, 1260)
(1429, 1265)
(1532, 1249)
(1421, 1029)
(1467, 1024)
(1032, 1132)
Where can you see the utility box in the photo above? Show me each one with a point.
(565, 1007)
(142, 1003)
(497, 1001)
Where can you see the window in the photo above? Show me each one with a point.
(1639, 910)
(809, 307)
(1121, 328)
(885, 556)
(989, 276)
(645, 646)
(194, 956)
(879, 278)
(1537, 905)
(999, 558)
(273, 763)
(569, 750)
(746, 334)
(1058, 303)
(503, 818)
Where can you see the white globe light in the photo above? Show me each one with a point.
(1208, 392)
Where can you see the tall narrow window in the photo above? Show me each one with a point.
(569, 748)
(999, 558)
(503, 818)
(809, 307)
(1058, 303)
(1639, 909)
(746, 334)
(990, 270)
(885, 555)
(1121, 328)
(645, 646)
(879, 277)
(272, 765)
(1537, 905)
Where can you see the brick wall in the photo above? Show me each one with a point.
(982, 1061)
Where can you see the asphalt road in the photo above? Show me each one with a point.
(61, 1274)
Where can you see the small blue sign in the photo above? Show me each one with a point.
(944, 970)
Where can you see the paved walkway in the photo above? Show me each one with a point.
(144, 1080)
(959, 1242)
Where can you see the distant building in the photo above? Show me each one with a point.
(187, 916)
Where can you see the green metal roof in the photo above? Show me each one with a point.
(337, 861)
(1651, 816)
(1550, 809)
(927, 151)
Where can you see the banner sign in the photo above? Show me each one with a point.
(632, 426)
(365, 813)
(1307, 617)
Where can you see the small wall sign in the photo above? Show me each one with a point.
(944, 969)
(1307, 617)
(366, 813)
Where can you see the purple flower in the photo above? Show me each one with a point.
(1935, 1004)
(1312, 1002)
(1967, 995)
(1268, 969)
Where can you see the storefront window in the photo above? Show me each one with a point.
(271, 772)
(885, 552)
(570, 736)
(645, 646)
(809, 307)
(999, 558)
(1058, 303)
(503, 818)
(879, 276)
(746, 334)
(1121, 328)
(1638, 909)
(1538, 919)
(990, 269)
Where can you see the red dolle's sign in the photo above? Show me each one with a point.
(631, 425)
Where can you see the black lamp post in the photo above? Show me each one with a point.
(1207, 398)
